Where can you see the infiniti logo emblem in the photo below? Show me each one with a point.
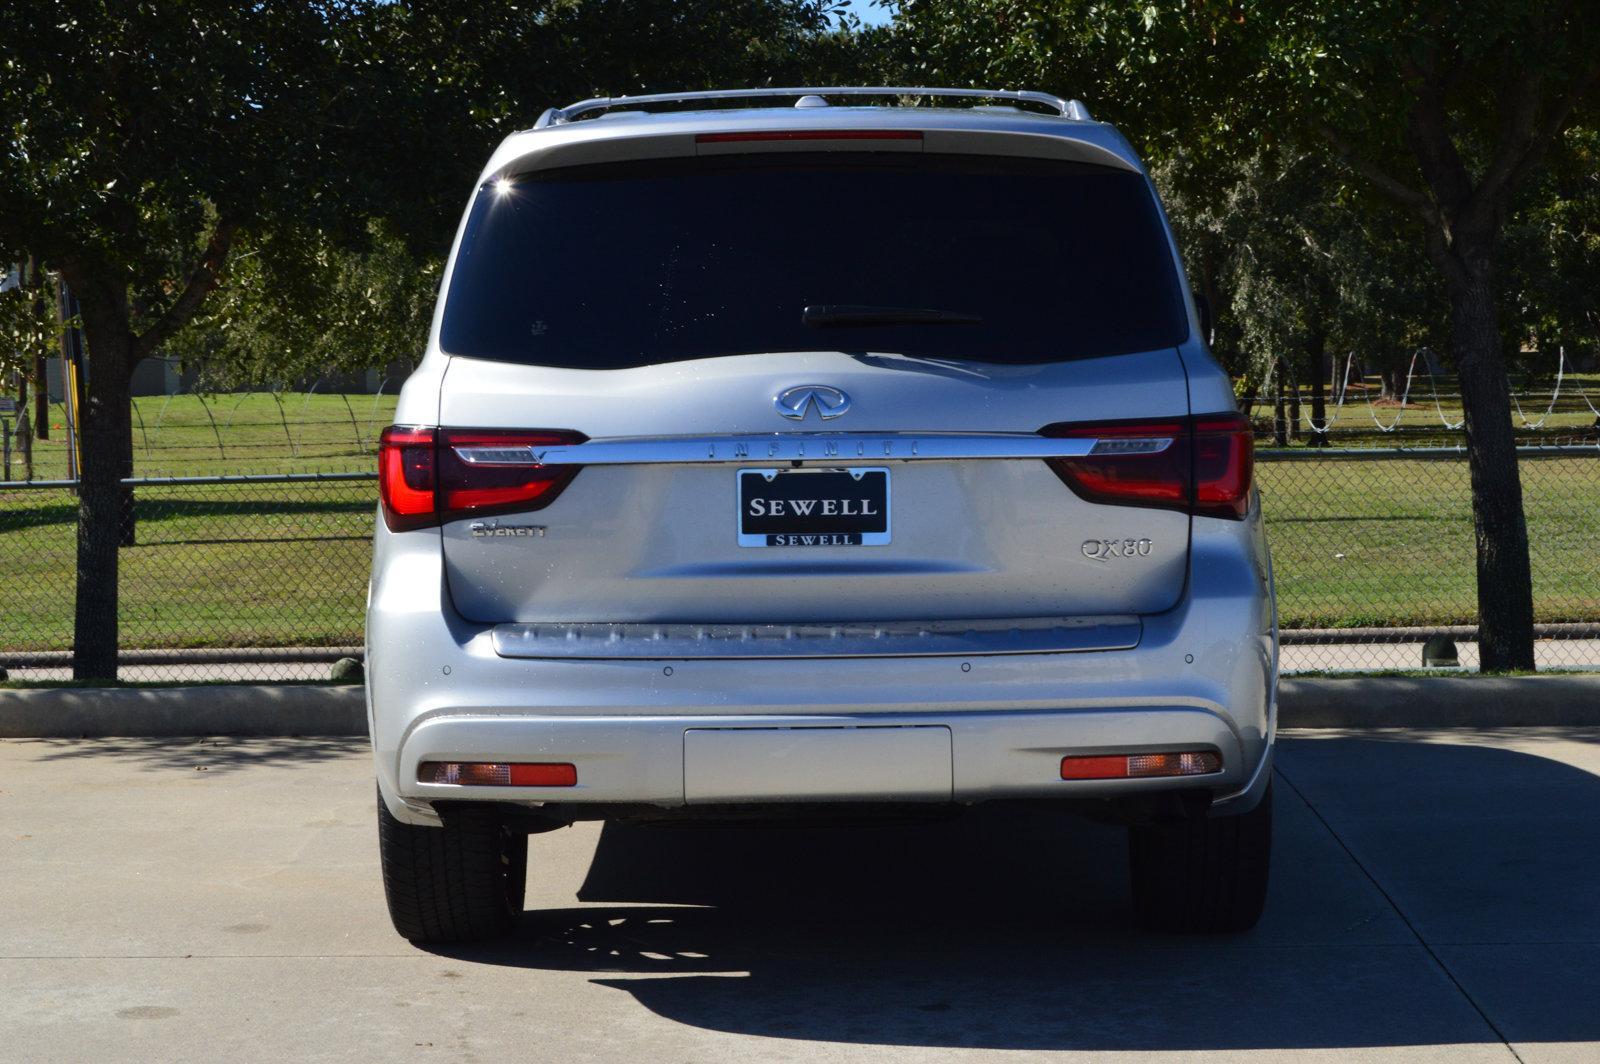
(794, 403)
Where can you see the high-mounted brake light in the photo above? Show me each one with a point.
(1201, 465)
(807, 134)
(426, 476)
(1140, 766)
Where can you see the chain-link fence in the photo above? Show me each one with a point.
(224, 578)
(1374, 552)
(264, 578)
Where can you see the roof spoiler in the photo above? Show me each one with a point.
(1073, 110)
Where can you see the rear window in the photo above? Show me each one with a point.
(638, 264)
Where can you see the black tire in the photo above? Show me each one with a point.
(1202, 874)
(462, 882)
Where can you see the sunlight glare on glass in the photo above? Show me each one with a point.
(503, 186)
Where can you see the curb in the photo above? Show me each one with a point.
(289, 710)
(213, 709)
(1439, 702)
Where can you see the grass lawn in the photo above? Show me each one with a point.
(228, 565)
(1354, 543)
(189, 435)
(1391, 542)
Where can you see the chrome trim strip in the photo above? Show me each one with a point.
(790, 447)
(854, 640)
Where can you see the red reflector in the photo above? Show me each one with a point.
(808, 134)
(1094, 768)
(1140, 766)
(551, 775)
(495, 774)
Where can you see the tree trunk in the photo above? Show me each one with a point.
(103, 430)
(41, 399)
(1280, 426)
(24, 428)
(1294, 403)
(1319, 400)
(1505, 581)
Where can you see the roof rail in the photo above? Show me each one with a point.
(1073, 109)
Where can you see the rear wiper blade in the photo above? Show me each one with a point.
(824, 315)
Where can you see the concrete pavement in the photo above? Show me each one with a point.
(1434, 898)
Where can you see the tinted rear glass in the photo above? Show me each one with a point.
(636, 264)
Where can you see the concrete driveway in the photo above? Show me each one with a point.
(1435, 897)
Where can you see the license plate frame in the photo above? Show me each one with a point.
(764, 530)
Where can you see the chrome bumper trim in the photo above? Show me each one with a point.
(889, 639)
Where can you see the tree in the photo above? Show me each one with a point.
(1445, 108)
(144, 144)
(139, 147)
(1448, 109)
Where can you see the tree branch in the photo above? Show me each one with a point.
(1393, 187)
(1516, 137)
(1554, 123)
(1428, 130)
(206, 275)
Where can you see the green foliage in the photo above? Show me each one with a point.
(28, 325)
(318, 307)
(135, 137)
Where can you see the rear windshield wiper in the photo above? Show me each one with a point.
(824, 315)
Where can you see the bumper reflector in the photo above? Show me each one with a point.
(1140, 766)
(495, 774)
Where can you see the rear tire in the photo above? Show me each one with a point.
(1202, 874)
(462, 882)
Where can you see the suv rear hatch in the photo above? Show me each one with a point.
(657, 308)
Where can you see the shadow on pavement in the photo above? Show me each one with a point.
(215, 754)
(1013, 931)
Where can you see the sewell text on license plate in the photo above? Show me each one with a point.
(813, 507)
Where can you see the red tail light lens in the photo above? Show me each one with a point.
(406, 477)
(1224, 465)
(493, 471)
(1199, 465)
(426, 476)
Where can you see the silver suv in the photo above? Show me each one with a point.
(811, 454)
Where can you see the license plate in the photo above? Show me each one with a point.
(813, 507)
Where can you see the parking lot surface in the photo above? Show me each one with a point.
(1434, 898)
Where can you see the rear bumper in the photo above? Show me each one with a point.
(675, 761)
(1202, 677)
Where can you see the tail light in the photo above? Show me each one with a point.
(1201, 465)
(1140, 766)
(428, 476)
(406, 477)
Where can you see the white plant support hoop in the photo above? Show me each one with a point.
(1405, 398)
(1339, 391)
(1433, 390)
(1582, 392)
(1561, 369)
